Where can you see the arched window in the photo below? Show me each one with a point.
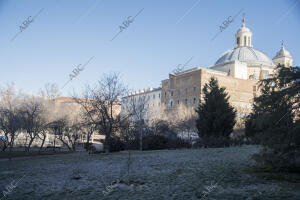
(238, 41)
(245, 41)
(171, 103)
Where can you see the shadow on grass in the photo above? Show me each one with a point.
(18, 154)
(278, 174)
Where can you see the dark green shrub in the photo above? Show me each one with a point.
(178, 143)
(116, 144)
(212, 142)
(154, 142)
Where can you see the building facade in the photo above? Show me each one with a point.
(143, 104)
(238, 70)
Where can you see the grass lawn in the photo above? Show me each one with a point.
(217, 173)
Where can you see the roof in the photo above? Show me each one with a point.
(245, 54)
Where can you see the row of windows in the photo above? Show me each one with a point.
(140, 98)
(245, 41)
(147, 106)
(193, 101)
(179, 92)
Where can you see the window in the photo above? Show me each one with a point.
(195, 90)
(165, 94)
(248, 41)
(245, 40)
(238, 41)
(254, 91)
(186, 91)
(194, 101)
(186, 101)
(171, 103)
(159, 95)
(178, 92)
(171, 93)
(178, 102)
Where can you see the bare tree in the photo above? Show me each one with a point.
(72, 131)
(184, 120)
(50, 91)
(102, 105)
(88, 129)
(42, 136)
(57, 127)
(32, 116)
(10, 120)
(137, 109)
(55, 118)
(47, 117)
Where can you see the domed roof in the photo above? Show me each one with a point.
(245, 54)
(243, 29)
(282, 52)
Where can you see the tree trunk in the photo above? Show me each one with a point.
(88, 141)
(141, 138)
(43, 141)
(10, 147)
(29, 144)
(66, 143)
(107, 143)
(73, 146)
(26, 143)
(4, 146)
(54, 142)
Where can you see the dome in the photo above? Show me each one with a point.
(243, 29)
(282, 52)
(245, 54)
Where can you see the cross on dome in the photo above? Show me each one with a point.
(243, 19)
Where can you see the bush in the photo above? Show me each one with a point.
(116, 144)
(212, 142)
(156, 142)
(178, 143)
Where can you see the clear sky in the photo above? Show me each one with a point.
(164, 34)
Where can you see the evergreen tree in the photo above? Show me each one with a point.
(275, 122)
(216, 117)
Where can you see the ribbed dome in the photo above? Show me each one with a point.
(282, 52)
(245, 54)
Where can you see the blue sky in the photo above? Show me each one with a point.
(166, 33)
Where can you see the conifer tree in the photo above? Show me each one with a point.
(274, 120)
(216, 117)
